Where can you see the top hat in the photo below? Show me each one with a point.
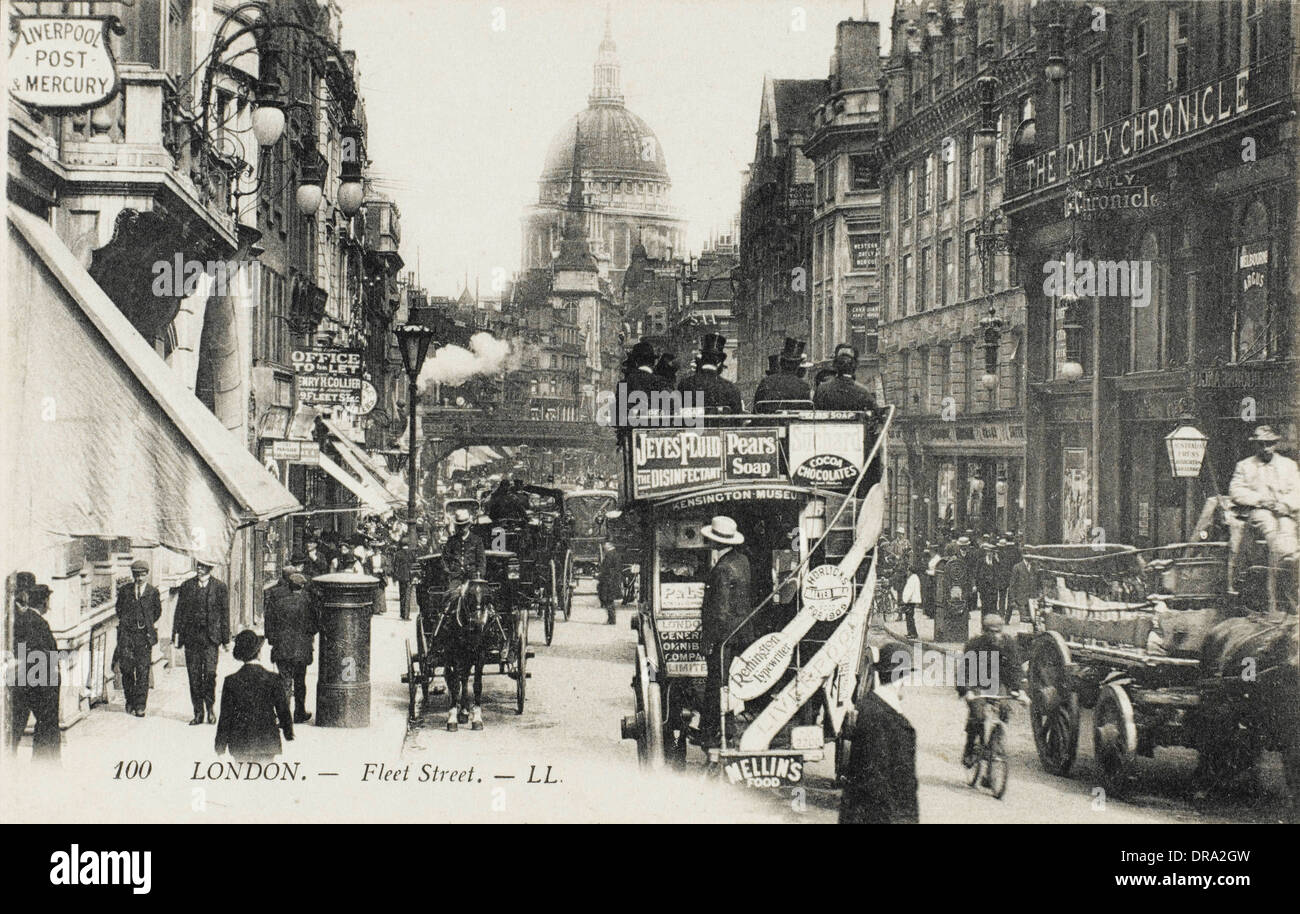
(24, 580)
(792, 351)
(248, 644)
(713, 346)
(139, 565)
(37, 596)
(462, 517)
(641, 354)
(1265, 433)
(722, 529)
(772, 361)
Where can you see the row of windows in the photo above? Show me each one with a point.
(863, 173)
(933, 271)
(924, 383)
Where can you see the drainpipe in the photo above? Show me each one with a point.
(1095, 444)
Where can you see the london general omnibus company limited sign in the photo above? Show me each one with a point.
(62, 63)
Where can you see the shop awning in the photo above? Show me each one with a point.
(104, 438)
(369, 496)
(364, 466)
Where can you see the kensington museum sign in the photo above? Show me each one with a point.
(63, 63)
(1183, 115)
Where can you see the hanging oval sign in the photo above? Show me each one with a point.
(826, 593)
(760, 666)
(369, 398)
(63, 62)
(827, 471)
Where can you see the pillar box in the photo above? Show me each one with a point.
(343, 681)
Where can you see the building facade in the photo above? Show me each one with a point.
(958, 438)
(1162, 180)
(776, 206)
(846, 229)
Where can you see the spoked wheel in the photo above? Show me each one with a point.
(1053, 704)
(521, 665)
(569, 583)
(1114, 737)
(978, 768)
(410, 682)
(997, 768)
(548, 619)
(422, 650)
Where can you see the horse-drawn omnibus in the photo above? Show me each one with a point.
(807, 491)
(588, 508)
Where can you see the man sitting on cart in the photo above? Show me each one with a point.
(463, 557)
(1265, 488)
(1002, 667)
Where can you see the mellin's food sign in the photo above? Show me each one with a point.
(62, 62)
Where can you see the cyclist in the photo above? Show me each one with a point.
(1003, 671)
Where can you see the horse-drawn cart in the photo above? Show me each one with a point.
(1145, 638)
(463, 637)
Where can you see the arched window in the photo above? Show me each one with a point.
(1145, 318)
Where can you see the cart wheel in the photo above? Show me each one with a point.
(521, 667)
(1054, 705)
(569, 585)
(410, 682)
(548, 619)
(841, 757)
(654, 725)
(1114, 736)
(422, 651)
(998, 775)
(978, 768)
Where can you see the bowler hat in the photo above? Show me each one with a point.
(1265, 433)
(722, 529)
(894, 663)
(248, 644)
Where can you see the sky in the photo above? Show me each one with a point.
(463, 97)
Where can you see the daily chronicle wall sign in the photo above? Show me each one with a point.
(63, 63)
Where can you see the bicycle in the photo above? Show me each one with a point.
(989, 768)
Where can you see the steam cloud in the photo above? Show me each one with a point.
(455, 365)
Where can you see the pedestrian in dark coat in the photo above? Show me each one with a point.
(1020, 589)
(609, 586)
(291, 626)
(880, 777)
(1008, 556)
(201, 626)
(986, 577)
(36, 692)
(726, 604)
(254, 708)
(139, 607)
(314, 562)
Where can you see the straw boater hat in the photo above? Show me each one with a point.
(462, 517)
(722, 529)
(992, 622)
(1265, 433)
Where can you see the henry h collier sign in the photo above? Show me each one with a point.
(329, 377)
(62, 62)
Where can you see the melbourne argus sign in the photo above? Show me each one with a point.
(329, 377)
(62, 63)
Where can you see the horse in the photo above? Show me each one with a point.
(463, 625)
(1250, 698)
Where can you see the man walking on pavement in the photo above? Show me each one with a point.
(201, 626)
(404, 572)
(291, 627)
(37, 691)
(609, 586)
(986, 576)
(139, 607)
(254, 708)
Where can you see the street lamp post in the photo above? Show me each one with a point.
(413, 340)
